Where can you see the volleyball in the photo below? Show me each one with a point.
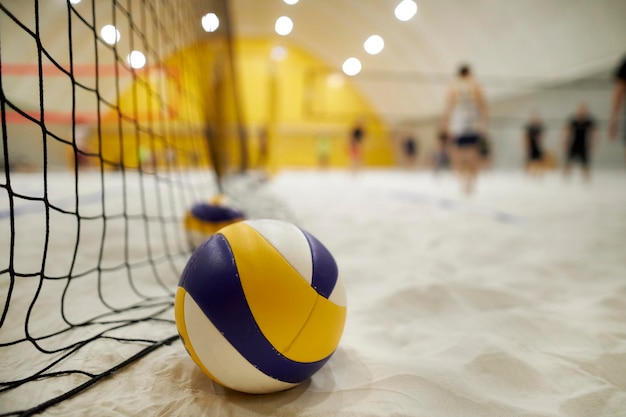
(260, 306)
(206, 218)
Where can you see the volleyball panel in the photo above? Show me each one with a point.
(338, 296)
(215, 355)
(289, 240)
(325, 271)
(211, 279)
(279, 299)
(321, 333)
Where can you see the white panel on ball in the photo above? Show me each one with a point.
(289, 241)
(223, 361)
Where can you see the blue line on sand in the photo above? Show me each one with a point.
(455, 205)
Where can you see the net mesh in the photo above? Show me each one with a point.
(116, 117)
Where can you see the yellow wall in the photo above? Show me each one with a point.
(291, 99)
(165, 111)
(294, 99)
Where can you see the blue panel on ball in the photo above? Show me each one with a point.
(212, 280)
(213, 213)
(324, 267)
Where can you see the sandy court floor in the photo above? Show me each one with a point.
(508, 303)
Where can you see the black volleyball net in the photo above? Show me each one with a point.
(116, 116)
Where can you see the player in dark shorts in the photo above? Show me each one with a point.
(533, 141)
(579, 136)
(465, 120)
(619, 94)
(409, 150)
(357, 134)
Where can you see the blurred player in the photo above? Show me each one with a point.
(357, 136)
(465, 120)
(578, 140)
(533, 143)
(323, 146)
(441, 156)
(619, 91)
(409, 151)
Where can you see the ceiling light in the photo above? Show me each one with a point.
(110, 34)
(283, 26)
(136, 59)
(210, 22)
(335, 80)
(75, 1)
(374, 44)
(278, 53)
(406, 10)
(290, 2)
(351, 66)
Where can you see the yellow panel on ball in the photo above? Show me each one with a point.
(320, 335)
(260, 306)
(280, 300)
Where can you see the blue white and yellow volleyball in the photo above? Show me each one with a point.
(206, 218)
(260, 306)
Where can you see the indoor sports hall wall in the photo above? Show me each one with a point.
(300, 100)
(197, 91)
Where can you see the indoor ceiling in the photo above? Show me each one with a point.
(512, 45)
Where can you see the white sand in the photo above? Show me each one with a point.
(509, 303)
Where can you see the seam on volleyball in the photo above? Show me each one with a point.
(285, 351)
(285, 259)
(308, 318)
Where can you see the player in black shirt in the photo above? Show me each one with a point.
(619, 92)
(533, 142)
(357, 134)
(410, 149)
(579, 136)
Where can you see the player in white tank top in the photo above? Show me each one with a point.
(464, 121)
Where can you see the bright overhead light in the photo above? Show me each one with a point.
(335, 80)
(210, 22)
(75, 1)
(278, 53)
(283, 26)
(351, 66)
(136, 59)
(406, 10)
(110, 34)
(290, 2)
(374, 44)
